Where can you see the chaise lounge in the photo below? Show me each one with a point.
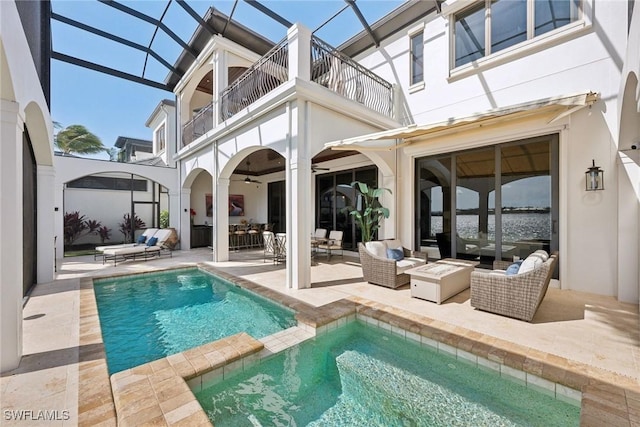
(141, 241)
(154, 247)
(516, 291)
(378, 268)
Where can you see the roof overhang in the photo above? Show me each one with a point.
(555, 108)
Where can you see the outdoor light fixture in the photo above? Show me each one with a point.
(594, 177)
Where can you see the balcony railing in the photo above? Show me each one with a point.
(198, 126)
(336, 71)
(265, 75)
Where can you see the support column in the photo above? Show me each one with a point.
(59, 223)
(628, 171)
(221, 221)
(389, 228)
(299, 41)
(220, 73)
(11, 130)
(298, 207)
(46, 223)
(185, 218)
(174, 213)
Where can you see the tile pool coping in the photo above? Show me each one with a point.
(158, 393)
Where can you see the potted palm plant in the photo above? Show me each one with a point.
(368, 212)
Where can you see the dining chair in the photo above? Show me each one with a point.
(334, 243)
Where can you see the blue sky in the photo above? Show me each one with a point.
(111, 107)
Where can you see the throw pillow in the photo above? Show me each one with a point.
(152, 241)
(141, 239)
(395, 254)
(513, 268)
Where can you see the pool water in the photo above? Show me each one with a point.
(358, 375)
(146, 317)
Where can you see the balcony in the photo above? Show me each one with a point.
(198, 126)
(265, 75)
(326, 66)
(341, 74)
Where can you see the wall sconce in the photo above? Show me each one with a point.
(594, 178)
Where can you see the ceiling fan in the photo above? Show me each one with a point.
(315, 168)
(248, 179)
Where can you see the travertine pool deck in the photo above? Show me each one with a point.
(578, 340)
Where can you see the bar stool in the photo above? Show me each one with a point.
(254, 235)
(232, 237)
(241, 236)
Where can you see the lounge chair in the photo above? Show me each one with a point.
(142, 239)
(516, 293)
(154, 247)
(379, 269)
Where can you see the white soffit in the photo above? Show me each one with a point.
(555, 107)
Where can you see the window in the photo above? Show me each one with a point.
(160, 142)
(417, 58)
(108, 183)
(495, 25)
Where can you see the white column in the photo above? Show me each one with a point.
(298, 206)
(628, 171)
(220, 74)
(185, 218)
(46, 223)
(11, 129)
(389, 228)
(299, 41)
(221, 222)
(58, 215)
(174, 213)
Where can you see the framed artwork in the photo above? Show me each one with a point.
(208, 203)
(236, 205)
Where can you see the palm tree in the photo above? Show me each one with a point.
(77, 139)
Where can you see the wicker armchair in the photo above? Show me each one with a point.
(388, 272)
(517, 296)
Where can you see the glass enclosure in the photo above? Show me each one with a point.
(520, 178)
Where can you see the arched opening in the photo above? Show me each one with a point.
(334, 171)
(111, 208)
(201, 214)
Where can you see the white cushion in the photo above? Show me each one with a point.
(163, 234)
(379, 249)
(533, 261)
(407, 263)
(393, 243)
(542, 254)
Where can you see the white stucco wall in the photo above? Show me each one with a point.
(587, 59)
(22, 105)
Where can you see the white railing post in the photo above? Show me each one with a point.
(299, 41)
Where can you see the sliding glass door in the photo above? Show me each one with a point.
(505, 203)
(334, 193)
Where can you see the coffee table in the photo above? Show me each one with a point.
(440, 280)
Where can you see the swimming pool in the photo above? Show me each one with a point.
(149, 316)
(358, 375)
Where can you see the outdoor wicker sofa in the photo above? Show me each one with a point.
(518, 295)
(380, 270)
